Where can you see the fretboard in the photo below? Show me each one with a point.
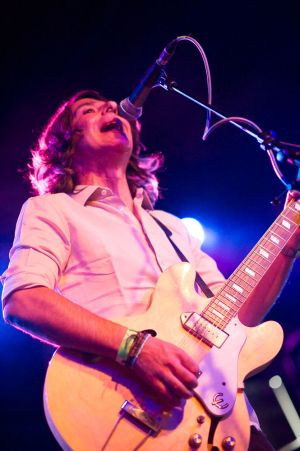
(253, 268)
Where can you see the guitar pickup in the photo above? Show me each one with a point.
(201, 328)
(150, 421)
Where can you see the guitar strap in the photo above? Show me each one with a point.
(199, 281)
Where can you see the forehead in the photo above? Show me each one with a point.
(85, 101)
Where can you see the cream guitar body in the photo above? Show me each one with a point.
(99, 405)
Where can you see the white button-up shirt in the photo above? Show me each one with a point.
(93, 250)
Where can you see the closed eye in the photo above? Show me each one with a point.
(88, 111)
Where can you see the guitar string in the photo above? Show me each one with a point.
(143, 441)
(121, 415)
(114, 428)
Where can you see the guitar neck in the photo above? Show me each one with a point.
(227, 303)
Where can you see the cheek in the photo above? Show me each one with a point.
(86, 133)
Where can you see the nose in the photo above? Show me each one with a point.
(110, 106)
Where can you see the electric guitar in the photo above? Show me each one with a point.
(96, 404)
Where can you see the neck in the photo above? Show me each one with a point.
(113, 179)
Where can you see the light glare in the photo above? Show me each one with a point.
(195, 228)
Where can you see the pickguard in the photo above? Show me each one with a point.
(217, 385)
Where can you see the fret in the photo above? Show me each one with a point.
(232, 303)
(214, 319)
(250, 268)
(256, 267)
(292, 215)
(265, 257)
(283, 231)
(269, 245)
(214, 315)
(287, 224)
(250, 274)
(237, 288)
(240, 285)
(229, 299)
(220, 310)
(235, 293)
(223, 306)
(217, 313)
(274, 238)
(265, 253)
(233, 309)
(246, 281)
(260, 261)
(221, 324)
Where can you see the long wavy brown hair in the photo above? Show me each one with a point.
(51, 166)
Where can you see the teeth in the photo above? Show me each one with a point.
(116, 124)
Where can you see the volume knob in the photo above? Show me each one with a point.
(195, 441)
(228, 443)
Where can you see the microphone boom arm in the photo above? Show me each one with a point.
(276, 150)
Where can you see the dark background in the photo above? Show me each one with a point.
(52, 49)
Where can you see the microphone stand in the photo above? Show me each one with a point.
(276, 150)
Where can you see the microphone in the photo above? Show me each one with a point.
(131, 107)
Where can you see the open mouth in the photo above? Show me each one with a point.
(115, 124)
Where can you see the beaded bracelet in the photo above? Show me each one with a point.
(126, 345)
(131, 346)
(137, 347)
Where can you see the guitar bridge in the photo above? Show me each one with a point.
(150, 421)
(200, 327)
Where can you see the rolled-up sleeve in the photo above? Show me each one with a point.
(41, 247)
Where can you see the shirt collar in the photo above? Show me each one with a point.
(82, 193)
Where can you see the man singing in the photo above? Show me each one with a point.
(89, 248)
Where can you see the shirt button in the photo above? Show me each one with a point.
(104, 192)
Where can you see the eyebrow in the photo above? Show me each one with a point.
(87, 103)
